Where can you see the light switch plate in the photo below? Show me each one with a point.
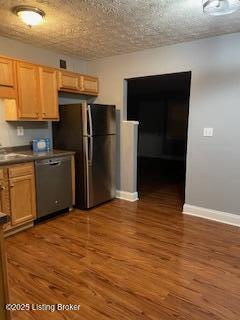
(208, 132)
(20, 131)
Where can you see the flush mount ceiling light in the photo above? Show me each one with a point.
(29, 15)
(220, 7)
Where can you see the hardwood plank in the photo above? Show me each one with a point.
(122, 260)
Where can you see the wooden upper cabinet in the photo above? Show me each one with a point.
(6, 72)
(69, 80)
(49, 93)
(73, 82)
(7, 78)
(89, 85)
(28, 91)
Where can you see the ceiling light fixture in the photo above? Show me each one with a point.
(220, 7)
(29, 15)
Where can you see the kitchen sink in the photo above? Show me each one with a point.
(11, 156)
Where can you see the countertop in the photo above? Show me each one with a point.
(31, 156)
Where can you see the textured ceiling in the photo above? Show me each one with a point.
(93, 29)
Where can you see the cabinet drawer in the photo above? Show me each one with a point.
(22, 169)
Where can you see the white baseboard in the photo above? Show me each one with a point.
(128, 196)
(205, 213)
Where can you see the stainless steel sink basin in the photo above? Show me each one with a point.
(11, 156)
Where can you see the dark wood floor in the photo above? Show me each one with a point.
(128, 261)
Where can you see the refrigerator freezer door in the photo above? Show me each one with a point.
(68, 132)
(101, 119)
(99, 155)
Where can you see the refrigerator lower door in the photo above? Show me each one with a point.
(100, 157)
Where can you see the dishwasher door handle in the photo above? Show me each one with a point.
(56, 163)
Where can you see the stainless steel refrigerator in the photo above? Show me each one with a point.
(90, 131)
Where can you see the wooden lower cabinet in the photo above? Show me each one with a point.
(18, 196)
(22, 195)
(2, 188)
(4, 196)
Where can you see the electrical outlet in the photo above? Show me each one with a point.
(208, 132)
(20, 131)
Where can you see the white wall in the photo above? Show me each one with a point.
(19, 50)
(213, 175)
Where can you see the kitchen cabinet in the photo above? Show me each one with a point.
(73, 82)
(2, 189)
(7, 78)
(18, 196)
(22, 193)
(37, 95)
(4, 195)
(28, 91)
(89, 85)
(6, 72)
(49, 93)
(22, 196)
(68, 81)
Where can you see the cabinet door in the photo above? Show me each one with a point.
(89, 85)
(6, 72)
(4, 201)
(22, 196)
(69, 80)
(49, 93)
(4, 208)
(8, 87)
(29, 91)
(2, 188)
(4, 195)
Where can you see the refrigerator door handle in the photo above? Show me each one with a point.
(86, 168)
(90, 127)
(90, 150)
(85, 119)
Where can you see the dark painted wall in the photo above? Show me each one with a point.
(160, 104)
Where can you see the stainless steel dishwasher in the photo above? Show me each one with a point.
(53, 185)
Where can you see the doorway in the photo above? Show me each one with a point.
(161, 105)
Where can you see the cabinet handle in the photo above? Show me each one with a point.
(11, 185)
(3, 188)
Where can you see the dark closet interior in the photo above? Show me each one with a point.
(161, 105)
